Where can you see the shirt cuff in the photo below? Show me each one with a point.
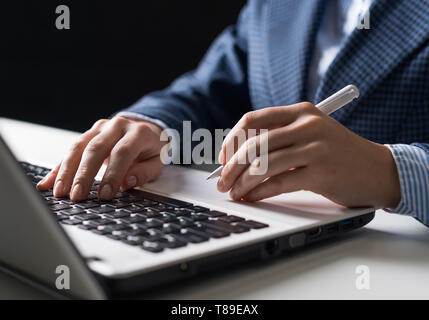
(412, 164)
(141, 117)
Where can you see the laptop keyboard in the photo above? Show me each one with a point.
(138, 218)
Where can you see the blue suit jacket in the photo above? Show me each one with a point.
(264, 61)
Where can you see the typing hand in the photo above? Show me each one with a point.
(308, 150)
(130, 148)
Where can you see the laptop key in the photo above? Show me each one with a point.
(87, 216)
(166, 218)
(213, 214)
(51, 202)
(117, 214)
(68, 201)
(88, 204)
(170, 228)
(72, 211)
(48, 193)
(199, 209)
(92, 196)
(152, 247)
(177, 213)
(223, 226)
(183, 212)
(195, 217)
(152, 235)
(98, 222)
(119, 204)
(193, 237)
(60, 206)
(209, 232)
(165, 200)
(184, 223)
(100, 232)
(171, 242)
(86, 227)
(123, 234)
(145, 203)
(128, 199)
(133, 209)
(131, 243)
(153, 223)
(132, 220)
(70, 222)
(134, 240)
(104, 208)
(113, 227)
(230, 219)
(120, 195)
(252, 224)
(138, 231)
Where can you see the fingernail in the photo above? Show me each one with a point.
(105, 192)
(77, 192)
(41, 182)
(233, 195)
(131, 182)
(59, 187)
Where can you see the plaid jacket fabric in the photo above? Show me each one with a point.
(264, 61)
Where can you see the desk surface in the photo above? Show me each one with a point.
(394, 248)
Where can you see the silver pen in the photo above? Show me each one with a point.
(328, 106)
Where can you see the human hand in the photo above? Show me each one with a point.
(130, 148)
(308, 150)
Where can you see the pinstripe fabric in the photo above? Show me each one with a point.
(264, 61)
(413, 169)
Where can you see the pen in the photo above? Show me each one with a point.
(328, 106)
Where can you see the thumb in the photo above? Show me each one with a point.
(142, 172)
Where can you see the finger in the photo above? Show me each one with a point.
(92, 159)
(291, 181)
(48, 181)
(269, 118)
(260, 146)
(71, 161)
(122, 156)
(277, 162)
(142, 172)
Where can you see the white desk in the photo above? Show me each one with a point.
(395, 248)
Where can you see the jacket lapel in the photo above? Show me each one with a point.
(368, 56)
(291, 32)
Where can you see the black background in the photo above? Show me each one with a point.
(115, 52)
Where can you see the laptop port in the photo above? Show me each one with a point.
(314, 233)
(271, 247)
(333, 228)
(347, 224)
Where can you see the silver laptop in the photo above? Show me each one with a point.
(175, 228)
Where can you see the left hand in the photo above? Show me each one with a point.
(308, 150)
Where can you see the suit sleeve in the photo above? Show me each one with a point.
(214, 95)
(412, 162)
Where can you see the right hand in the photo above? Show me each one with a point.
(130, 148)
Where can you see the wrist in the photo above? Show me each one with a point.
(390, 188)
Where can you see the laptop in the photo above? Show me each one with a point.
(175, 228)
